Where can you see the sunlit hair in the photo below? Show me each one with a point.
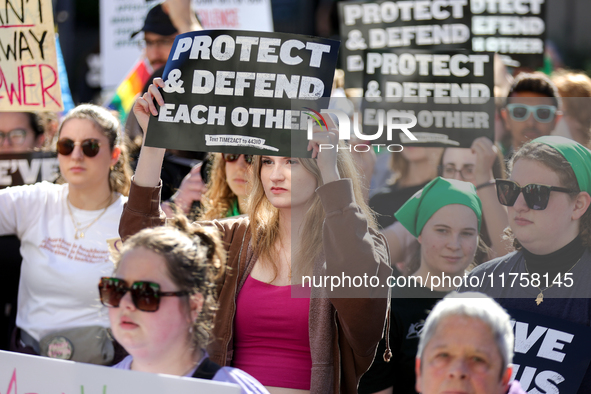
(264, 217)
(553, 160)
(218, 199)
(105, 121)
(195, 260)
(476, 306)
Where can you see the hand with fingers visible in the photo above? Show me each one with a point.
(181, 15)
(324, 149)
(144, 105)
(486, 154)
(191, 189)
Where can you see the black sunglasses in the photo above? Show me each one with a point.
(232, 157)
(536, 196)
(90, 146)
(145, 295)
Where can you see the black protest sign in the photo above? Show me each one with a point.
(448, 94)
(551, 355)
(232, 92)
(27, 168)
(376, 25)
(512, 28)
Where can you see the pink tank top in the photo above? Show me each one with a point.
(272, 342)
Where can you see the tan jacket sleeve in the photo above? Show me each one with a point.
(354, 250)
(142, 210)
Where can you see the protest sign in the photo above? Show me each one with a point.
(364, 25)
(27, 168)
(235, 14)
(450, 94)
(28, 63)
(551, 355)
(513, 28)
(119, 52)
(42, 375)
(232, 92)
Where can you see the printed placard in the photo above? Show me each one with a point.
(22, 373)
(235, 14)
(28, 63)
(27, 168)
(551, 355)
(450, 95)
(515, 29)
(377, 25)
(232, 91)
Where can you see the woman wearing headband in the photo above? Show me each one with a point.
(162, 300)
(445, 216)
(64, 231)
(304, 221)
(548, 200)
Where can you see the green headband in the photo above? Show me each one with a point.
(436, 194)
(576, 154)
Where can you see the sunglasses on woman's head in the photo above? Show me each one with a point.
(232, 157)
(145, 295)
(90, 146)
(536, 196)
(542, 113)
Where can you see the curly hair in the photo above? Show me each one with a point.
(553, 160)
(195, 261)
(218, 199)
(105, 121)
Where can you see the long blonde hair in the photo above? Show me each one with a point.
(218, 199)
(264, 217)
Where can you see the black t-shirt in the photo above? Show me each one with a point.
(389, 199)
(409, 308)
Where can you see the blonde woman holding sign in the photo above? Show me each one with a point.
(64, 231)
(308, 206)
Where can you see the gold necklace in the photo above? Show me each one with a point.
(79, 232)
(540, 297)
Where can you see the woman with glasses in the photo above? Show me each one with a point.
(547, 198)
(228, 186)
(162, 299)
(445, 217)
(480, 165)
(306, 217)
(64, 231)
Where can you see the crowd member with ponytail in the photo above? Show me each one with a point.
(548, 200)
(162, 301)
(63, 231)
(306, 217)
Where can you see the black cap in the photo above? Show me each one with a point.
(157, 21)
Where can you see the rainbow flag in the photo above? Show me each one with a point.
(131, 86)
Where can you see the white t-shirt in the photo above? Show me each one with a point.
(58, 286)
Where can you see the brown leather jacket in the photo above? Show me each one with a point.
(344, 332)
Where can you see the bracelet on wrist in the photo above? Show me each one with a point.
(483, 185)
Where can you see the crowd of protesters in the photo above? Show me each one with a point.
(199, 259)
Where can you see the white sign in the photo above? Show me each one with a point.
(235, 14)
(119, 19)
(41, 375)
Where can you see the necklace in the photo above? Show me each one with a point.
(79, 232)
(540, 297)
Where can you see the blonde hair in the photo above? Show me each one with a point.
(218, 199)
(264, 217)
(106, 122)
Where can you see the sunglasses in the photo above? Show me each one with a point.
(90, 146)
(232, 157)
(542, 113)
(145, 295)
(15, 137)
(536, 196)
